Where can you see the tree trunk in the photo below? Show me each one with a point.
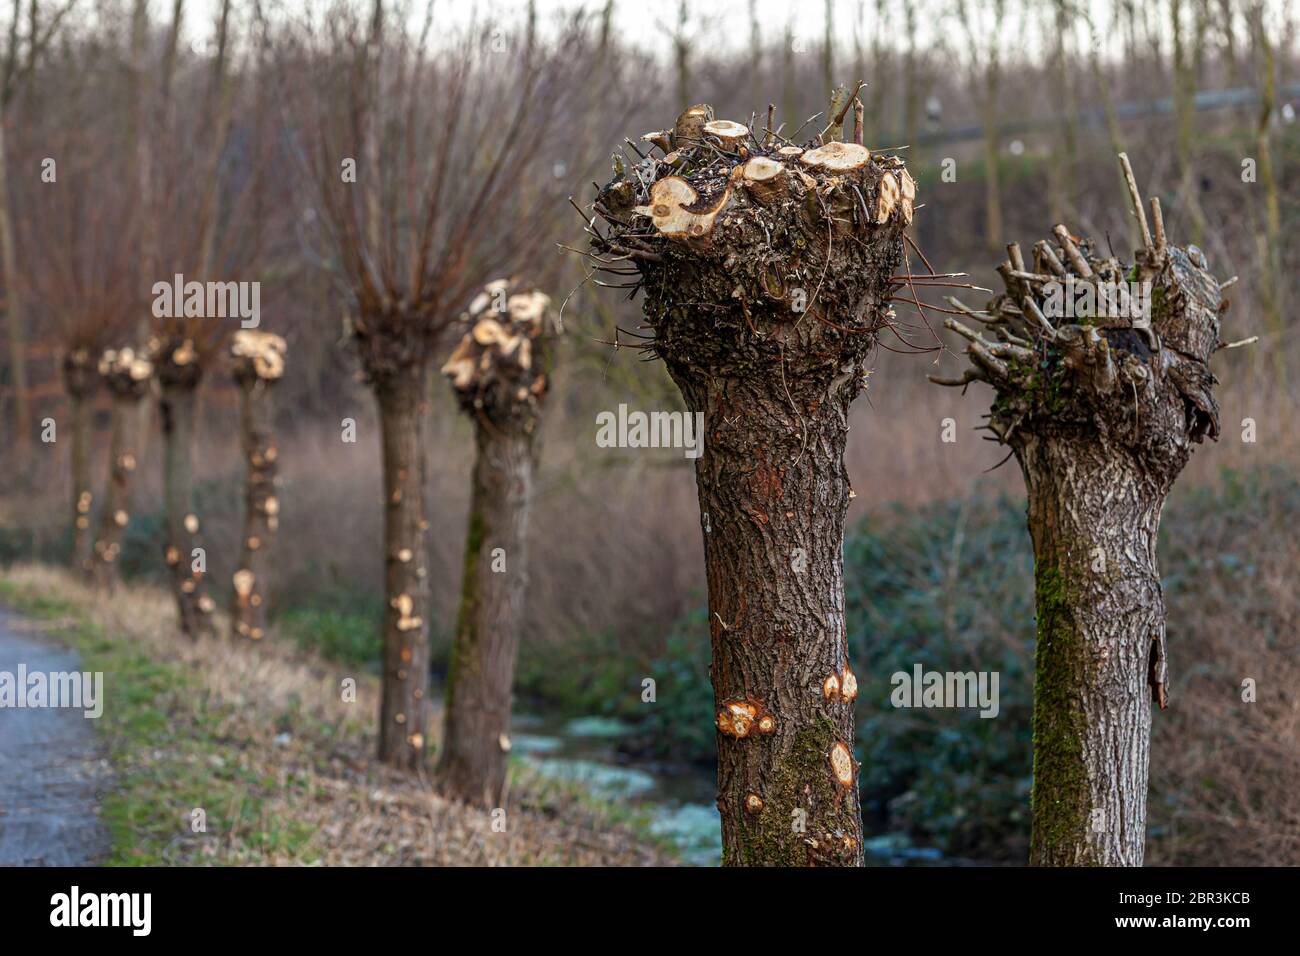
(178, 373)
(114, 516)
(127, 376)
(1102, 406)
(82, 497)
(261, 509)
(80, 381)
(1093, 516)
(480, 681)
(258, 365)
(773, 497)
(404, 710)
(770, 348)
(499, 374)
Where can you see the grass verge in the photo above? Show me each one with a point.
(235, 754)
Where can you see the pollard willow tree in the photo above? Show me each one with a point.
(126, 374)
(257, 363)
(178, 363)
(1102, 411)
(768, 269)
(417, 163)
(499, 372)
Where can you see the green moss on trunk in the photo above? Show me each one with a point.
(803, 780)
(1060, 790)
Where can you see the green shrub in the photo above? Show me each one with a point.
(580, 677)
(950, 588)
(346, 636)
(679, 723)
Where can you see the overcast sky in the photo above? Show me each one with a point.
(717, 24)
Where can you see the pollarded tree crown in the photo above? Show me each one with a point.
(79, 369)
(752, 250)
(1086, 345)
(257, 356)
(175, 360)
(498, 368)
(125, 371)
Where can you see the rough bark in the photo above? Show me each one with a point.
(476, 735)
(80, 382)
(1102, 410)
(498, 372)
(127, 376)
(773, 497)
(258, 359)
(1093, 517)
(765, 303)
(178, 374)
(404, 710)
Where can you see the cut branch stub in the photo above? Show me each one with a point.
(257, 356)
(744, 718)
(837, 157)
(728, 135)
(678, 211)
(908, 187)
(662, 138)
(689, 128)
(888, 197)
(498, 368)
(767, 179)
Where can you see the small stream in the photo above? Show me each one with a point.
(679, 797)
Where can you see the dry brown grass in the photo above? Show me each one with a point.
(1225, 773)
(281, 720)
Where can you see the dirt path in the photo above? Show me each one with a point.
(51, 765)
